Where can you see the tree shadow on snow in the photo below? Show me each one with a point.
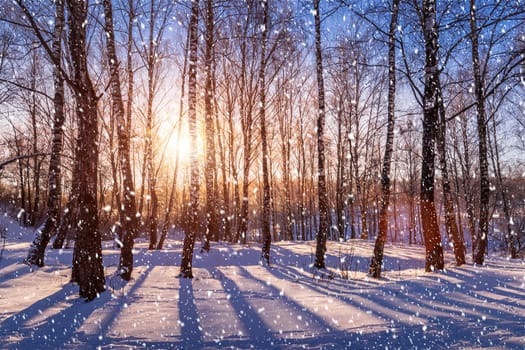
(61, 329)
(191, 330)
(54, 331)
(451, 314)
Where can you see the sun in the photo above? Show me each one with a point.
(179, 148)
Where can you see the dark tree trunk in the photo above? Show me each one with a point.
(340, 193)
(432, 236)
(285, 126)
(465, 174)
(128, 209)
(35, 205)
(69, 215)
(54, 187)
(21, 179)
(117, 180)
(266, 234)
(243, 230)
(242, 233)
(235, 175)
(321, 186)
(450, 217)
(212, 227)
(480, 239)
(503, 190)
(193, 224)
(302, 167)
(129, 69)
(377, 260)
(88, 270)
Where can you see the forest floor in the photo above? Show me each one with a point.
(235, 302)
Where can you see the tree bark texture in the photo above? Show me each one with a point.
(212, 226)
(88, 270)
(152, 176)
(451, 225)
(479, 246)
(193, 212)
(432, 236)
(128, 209)
(377, 259)
(321, 185)
(510, 236)
(36, 251)
(266, 234)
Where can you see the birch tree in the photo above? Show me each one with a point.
(43, 234)
(377, 259)
(128, 209)
(87, 268)
(321, 179)
(212, 227)
(480, 240)
(431, 234)
(193, 210)
(264, 138)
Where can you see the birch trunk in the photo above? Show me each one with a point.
(212, 229)
(88, 270)
(450, 217)
(431, 234)
(193, 227)
(479, 245)
(128, 209)
(321, 186)
(267, 238)
(377, 260)
(36, 251)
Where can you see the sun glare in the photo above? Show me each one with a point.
(180, 148)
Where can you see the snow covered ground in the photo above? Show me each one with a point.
(234, 302)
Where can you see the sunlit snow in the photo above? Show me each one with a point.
(235, 302)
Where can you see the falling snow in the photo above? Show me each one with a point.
(235, 302)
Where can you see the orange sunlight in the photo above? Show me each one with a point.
(179, 148)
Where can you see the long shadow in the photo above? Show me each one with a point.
(410, 337)
(492, 311)
(512, 292)
(257, 330)
(355, 263)
(402, 336)
(191, 330)
(347, 298)
(486, 298)
(469, 321)
(16, 270)
(12, 261)
(17, 320)
(325, 327)
(113, 308)
(443, 285)
(61, 329)
(56, 330)
(437, 331)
